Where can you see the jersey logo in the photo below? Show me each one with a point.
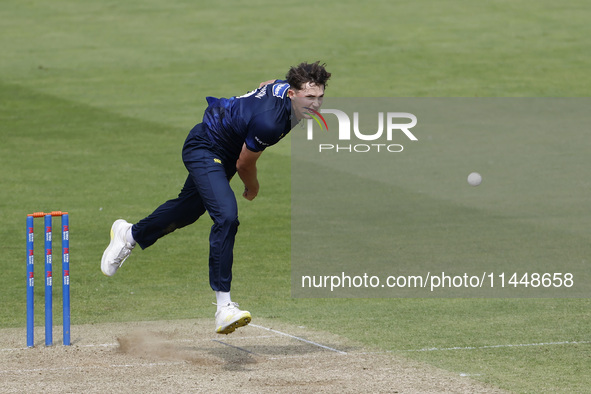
(260, 141)
(280, 89)
(217, 161)
(262, 93)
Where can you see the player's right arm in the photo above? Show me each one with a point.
(266, 82)
(247, 171)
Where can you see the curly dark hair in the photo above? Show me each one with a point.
(305, 72)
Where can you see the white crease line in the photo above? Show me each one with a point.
(300, 339)
(146, 365)
(433, 349)
(8, 371)
(99, 345)
(17, 349)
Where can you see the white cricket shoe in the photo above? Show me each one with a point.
(228, 318)
(118, 250)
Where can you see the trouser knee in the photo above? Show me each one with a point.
(229, 223)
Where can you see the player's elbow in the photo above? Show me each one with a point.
(244, 167)
(247, 160)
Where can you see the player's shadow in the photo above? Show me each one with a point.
(237, 357)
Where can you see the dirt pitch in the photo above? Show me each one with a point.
(185, 356)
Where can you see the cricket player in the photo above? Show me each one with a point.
(231, 138)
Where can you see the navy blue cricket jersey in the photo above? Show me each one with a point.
(258, 119)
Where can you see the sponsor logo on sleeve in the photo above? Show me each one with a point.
(280, 89)
(260, 141)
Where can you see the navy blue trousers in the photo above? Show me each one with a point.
(207, 188)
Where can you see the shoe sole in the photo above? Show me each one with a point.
(106, 252)
(243, 321)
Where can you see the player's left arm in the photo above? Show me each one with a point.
(247, 171)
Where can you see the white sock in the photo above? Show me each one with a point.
(222, 298)
(129, 237)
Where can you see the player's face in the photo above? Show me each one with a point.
(308, 98)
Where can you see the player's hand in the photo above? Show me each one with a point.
(249, 194)
(267, 82)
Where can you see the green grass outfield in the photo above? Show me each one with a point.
(96, 99)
